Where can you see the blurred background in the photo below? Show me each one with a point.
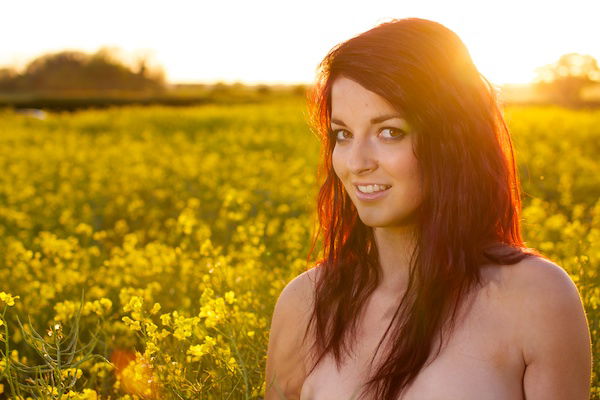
(186, 52)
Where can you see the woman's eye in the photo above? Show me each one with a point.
(337, 136)
(394, 133)
(340, 134)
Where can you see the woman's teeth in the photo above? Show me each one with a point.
(373, 188)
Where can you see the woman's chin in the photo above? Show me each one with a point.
(379, 220)
(376, 221)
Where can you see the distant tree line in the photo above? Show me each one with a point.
(64, 73)
(563, 81)
(76, 71)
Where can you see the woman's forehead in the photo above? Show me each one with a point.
(350, 100)
(348, 96)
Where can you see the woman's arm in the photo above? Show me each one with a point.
(555, 336)
(285, 367)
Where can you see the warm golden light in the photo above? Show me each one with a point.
(260, 42)
(134, 374)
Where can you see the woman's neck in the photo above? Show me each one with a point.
(395, 246)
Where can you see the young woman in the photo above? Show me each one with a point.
(425, 289)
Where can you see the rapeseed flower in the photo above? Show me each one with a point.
(8, 299)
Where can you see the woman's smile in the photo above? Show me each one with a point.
(372, 193)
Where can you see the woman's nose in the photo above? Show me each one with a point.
(361, 158)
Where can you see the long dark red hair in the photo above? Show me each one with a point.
(471, 197)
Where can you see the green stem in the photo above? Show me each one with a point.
(242, 364)
(7, 355)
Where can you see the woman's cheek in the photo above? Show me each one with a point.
(338, 164)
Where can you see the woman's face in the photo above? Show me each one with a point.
(374, 145)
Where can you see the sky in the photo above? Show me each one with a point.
(279, 41)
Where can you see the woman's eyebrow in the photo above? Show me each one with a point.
(375, 120)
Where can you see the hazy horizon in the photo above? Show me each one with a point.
(269, 42)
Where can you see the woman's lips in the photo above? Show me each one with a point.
(371, 196)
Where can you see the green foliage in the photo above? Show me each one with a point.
(57, 375)
(79, 72)
(563, 81)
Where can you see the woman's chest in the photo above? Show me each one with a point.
(479, 361)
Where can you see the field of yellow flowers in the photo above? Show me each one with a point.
(142, 249)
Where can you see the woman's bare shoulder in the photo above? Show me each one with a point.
(553, 330)
(286, 365)
(532, 275)
(301, 289)
(547, 321)
(528, 289)
(537, 277)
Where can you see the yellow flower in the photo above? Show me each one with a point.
(135, 304)
(99, 307)
(183, 327)
(71, 372)
(150, 327)
(211, 317)
(65, 310)
(151, 348)
(197, 350)
(89, 394)
(84, 229)
(165, 319)
(230, 297)
(232, 364)
(209, 340)
(133, 325)
(52, 390)
(101, 369)
(106, 303)
(155, 308)
(8, 299)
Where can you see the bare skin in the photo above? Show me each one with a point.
(491, 354)
(478, 362)
(524, 336)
